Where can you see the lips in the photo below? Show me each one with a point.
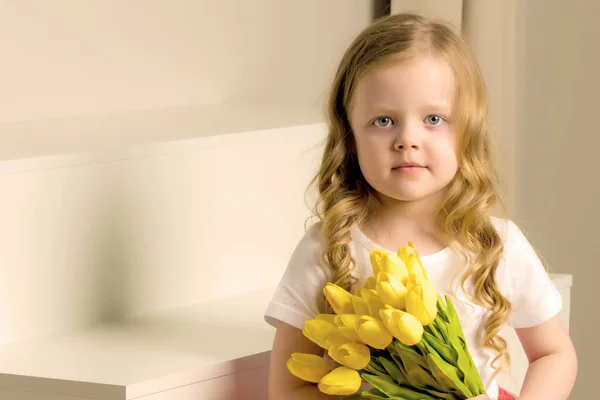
(409, 165)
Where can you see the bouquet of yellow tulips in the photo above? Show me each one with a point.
(395, 333)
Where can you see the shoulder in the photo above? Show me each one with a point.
(510, 233)
(306, 258)
(298, 296)
(524, 279)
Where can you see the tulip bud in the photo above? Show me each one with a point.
(373, 301)
(414, 266)
(339, 299)
(390, 290)
(370, 283)
(421, 299)
(384, 261)
(372, 332)
(403, 326)
(352, 355)
(323, 333)
(309, 367)
(347, 325)
(360, 305)
(342, 381)
(326, 317)
(405, 252)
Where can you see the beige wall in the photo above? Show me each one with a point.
(558, 183)
(69, 57)
(540, 61)
(102, 240)
(65, 58)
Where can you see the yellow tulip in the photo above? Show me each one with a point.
(384, 261)
(309, 367)
(352, 355)
(421, 299)
(415, 266)
(405, 252)
(402, 325)
(326, 317)
(370, 283)
(347, 325)
(336, 338)
(319, 331)
(360, 305)
(372, 332)
(342, 381)
(391, 290)
(374, 302)
(339, 299)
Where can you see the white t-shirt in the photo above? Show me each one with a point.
(520, 276)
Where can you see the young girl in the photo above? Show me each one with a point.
(408, 157)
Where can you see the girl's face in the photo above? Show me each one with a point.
(401, 118)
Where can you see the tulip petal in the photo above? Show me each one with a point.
(318, 331)
(414, 266)
(391, 290)
(339, 299)
(352, 355)
(421, 299)
(373, 332)
(309, 367)
(403, 326)
(326, 317)
(370, 283)
(342, 381)
(360, 305)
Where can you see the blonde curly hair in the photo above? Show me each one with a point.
(463, 215)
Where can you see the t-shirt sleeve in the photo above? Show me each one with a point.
(299, 295)
(533, 295)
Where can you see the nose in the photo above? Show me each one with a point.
(407, 138)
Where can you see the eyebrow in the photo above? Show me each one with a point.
(386, 109)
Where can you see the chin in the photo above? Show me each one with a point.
(413, 195)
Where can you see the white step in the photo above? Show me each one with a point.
(113, 217)
(148, 355)
(216, 350)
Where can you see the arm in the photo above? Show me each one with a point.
(552, 361)
(282, 384)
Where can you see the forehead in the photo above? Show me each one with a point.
(413, 83)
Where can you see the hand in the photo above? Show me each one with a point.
(481, 397)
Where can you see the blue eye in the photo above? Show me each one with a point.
(434, 120)
(383, 122)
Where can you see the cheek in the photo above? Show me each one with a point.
(446, 155)
(371, 154)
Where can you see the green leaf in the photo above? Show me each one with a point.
(446, 351)
(447, 375)
(358, 396)
(465, 361)
(441, 307)
(383, 375)
(443, 395)
(410, 380)
(376, 365)
(442, 327)
(453, 319)
(396, 391)
(395, 372)
(408, 351)
(421, 376)
(374, 394)
(432, 330)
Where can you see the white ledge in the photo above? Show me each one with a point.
(145, 355)
(150, 354)
(45, 144)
